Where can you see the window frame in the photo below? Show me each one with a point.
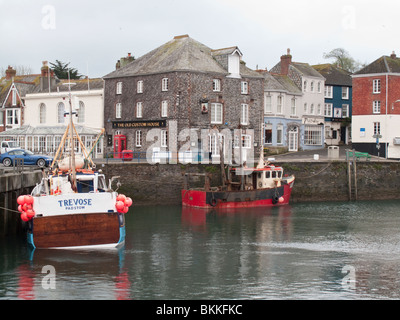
(215, 114)
(164, 84)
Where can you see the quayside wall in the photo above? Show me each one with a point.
(160, 184)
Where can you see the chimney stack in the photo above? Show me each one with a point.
(286, 60)
(47, 77)
(10, 73)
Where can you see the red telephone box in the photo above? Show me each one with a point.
(119, 145)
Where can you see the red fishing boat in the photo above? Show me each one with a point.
(261, 186)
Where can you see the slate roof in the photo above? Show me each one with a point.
(79, 85)
(24, 84)
(180, 54)
(301, 68)
(334, 76)
(280, 83)
(384, 64)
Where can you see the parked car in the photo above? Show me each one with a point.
(7, 146)
(7, 158)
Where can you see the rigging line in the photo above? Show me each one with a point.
(11, 210)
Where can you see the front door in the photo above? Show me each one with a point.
(293, 139)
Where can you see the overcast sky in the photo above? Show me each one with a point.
(93, 35)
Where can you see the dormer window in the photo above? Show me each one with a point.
(234, 63)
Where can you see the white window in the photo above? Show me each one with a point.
(164, 138)
(139, 86)
(345, 93)
(216, 112)
(164, 84)
(119, 88)
(312, 110)
(215, 142)
(305, 86)
(139, 109)
(1, 118)
(293, 107)
(14, 97)
(164, 109)
(376, 86)
(328, 109)
(376, 107)
(328, 92)
(268, 104)
(312, 86)
(279, 134)
(319, 87)
(42, 113)
(118, 110)
(246, 141)
(279, 104)
(319, 109)
(245, 87)
(216, 85)
(138, 138)
(81, 112)
(345, 111)
(60, 112)
(305, 107)
(313, 135)
(12, 116)
(244, 119)
(377, 128)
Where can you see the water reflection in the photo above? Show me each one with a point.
(288, 252)
(92, 274)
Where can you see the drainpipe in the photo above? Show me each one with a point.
(386, 130)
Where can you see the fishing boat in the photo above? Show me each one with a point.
(261, 186)
(73, 207)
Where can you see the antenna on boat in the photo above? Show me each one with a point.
(72, 144)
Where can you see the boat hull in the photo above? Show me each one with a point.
(237, 199)
(77, 231)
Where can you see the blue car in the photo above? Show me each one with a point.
(7, 158)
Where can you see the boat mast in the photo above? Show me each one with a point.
(72, 156)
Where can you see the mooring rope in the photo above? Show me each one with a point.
(15, 211)
(315, 174)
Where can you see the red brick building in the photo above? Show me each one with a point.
(376, 108)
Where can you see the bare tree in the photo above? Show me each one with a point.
(21, 70)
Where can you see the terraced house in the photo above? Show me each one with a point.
(306, 128)
(185, 97)
(376, 107)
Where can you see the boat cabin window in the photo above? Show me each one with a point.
(84, 186)
(267, 174)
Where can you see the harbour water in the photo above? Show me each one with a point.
(301, 251)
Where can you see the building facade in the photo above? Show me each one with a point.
(376, 108)
(281, 123)
(308, 107)
(183, 97)
(44, 108)
(338, 104)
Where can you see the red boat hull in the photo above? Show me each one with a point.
(237, 199)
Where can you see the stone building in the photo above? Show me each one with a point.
(176, 100)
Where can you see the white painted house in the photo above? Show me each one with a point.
(45, 119)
